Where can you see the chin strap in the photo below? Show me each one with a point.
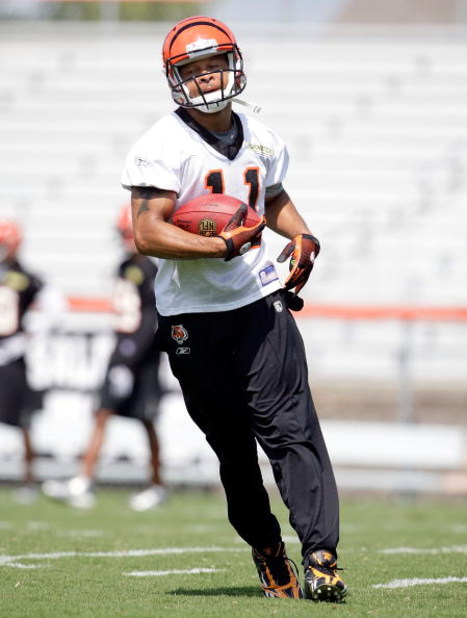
(253, 106)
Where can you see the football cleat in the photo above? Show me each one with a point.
(278, 578)
(76, 492)
(322, 582)
(149, 499)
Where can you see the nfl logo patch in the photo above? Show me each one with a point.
(207, 227)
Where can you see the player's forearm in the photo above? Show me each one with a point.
(155, 236)
(164, 240)
(283, 218)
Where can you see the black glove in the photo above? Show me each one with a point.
(240, 239)
(304, 249)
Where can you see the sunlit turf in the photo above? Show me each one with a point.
(83, 559)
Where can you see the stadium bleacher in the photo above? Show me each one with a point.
(374, 119)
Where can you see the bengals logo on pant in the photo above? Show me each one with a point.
(179, 333)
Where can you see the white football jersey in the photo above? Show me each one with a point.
(174, 157)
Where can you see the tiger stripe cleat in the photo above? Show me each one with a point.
(322, 582)
(278, 578)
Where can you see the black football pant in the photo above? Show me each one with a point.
(244, 375)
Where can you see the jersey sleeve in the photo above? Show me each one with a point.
(34, 290)
(153, 161)
(279, 162)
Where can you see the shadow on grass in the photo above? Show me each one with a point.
(245, 591)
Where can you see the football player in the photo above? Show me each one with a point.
(224, 314)
(131, 386)
(20, 290)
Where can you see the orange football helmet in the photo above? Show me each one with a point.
(196, 38)
(125, 228)
(10, 239)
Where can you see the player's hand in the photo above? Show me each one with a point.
(240, 239)
(302, 250)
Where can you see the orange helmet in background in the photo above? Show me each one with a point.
(196, 38)
(125, 228)
(10, 239)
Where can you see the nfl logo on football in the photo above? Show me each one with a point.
(207, 227)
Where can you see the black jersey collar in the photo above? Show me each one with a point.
(229, 151)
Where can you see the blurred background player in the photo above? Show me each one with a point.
(20, 290)
(131, 386)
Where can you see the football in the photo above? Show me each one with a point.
(207, 215)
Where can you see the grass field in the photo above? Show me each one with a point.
(57, 562)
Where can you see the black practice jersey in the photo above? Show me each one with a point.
(18, 289)
(135, 309)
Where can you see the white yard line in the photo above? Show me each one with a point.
(173, 572)
(37, 525)
(455, 549)
(82, 533)
(16, 561)
(406, 583)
